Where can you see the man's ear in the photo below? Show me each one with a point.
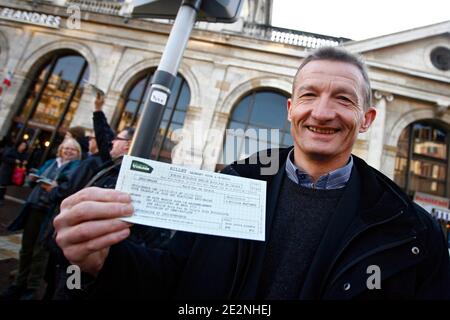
(369, 117)
(289, 107)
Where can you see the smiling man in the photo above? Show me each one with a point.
(329, 107)
(335, 227)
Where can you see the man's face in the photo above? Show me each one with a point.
(121, 144)
(327, 110)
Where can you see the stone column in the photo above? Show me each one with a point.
(388, 162)
(85, 110)
(376, 137)
(193, 148)
(189, 140)
(11, 97)
(214, 145)
(109, 58)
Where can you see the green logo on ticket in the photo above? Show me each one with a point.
(140, 166)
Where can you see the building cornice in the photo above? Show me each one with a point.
(407, 71)
(398, 37)
(410, 93)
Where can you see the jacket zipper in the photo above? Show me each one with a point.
(353, 238)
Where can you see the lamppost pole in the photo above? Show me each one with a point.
(159, 93)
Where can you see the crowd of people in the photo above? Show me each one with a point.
(81, 160)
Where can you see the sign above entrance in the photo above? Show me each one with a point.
(40, 19)
(428, 201)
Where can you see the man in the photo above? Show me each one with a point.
(335, 227)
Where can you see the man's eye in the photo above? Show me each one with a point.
(344, 98)
(307, 95)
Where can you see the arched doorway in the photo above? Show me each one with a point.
(132, 104)
(259, 109)
(50, 104)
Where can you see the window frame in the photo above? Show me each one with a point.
(26, 121)
(247, 124)
(158, 152)
(413, 156)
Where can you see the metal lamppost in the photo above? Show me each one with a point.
(225, 11)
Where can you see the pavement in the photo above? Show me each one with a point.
(10, 241)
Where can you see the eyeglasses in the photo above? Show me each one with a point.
(116, 137)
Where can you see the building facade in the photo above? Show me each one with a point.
(234, 76)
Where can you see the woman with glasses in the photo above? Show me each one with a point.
(33, 257)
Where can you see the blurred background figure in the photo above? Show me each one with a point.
(12, 157)
(78, 133)
(33, 256)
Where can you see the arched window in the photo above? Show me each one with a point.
(250, 122)
(421, 163)
(50, 103)
(173, 117)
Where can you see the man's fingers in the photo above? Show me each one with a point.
(95, 194)
(91, 210)
(79, 252)
(89, 230)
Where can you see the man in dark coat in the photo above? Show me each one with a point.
(335, 227)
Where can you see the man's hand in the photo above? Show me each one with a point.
(99, 102)
(88, 225)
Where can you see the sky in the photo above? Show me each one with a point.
(358, 19)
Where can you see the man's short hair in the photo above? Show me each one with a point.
(339, 55)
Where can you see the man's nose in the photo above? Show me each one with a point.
(322, 110)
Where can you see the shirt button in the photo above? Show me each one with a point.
(346, 286)
(415, 250)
